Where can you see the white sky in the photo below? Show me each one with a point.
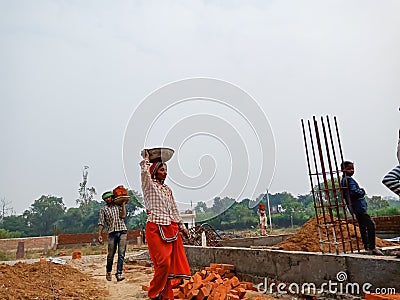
(72, 74)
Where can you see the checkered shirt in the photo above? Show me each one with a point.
(158, 199)
(109, 215)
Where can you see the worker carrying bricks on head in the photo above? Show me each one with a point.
(263, 222)
(163, 228)
(113, 216)
(392, 179)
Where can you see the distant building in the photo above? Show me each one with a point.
(188, 217)
(276, 209)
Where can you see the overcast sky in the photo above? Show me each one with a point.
(73, 73)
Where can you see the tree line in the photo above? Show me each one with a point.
(48, 215)
(228, 214)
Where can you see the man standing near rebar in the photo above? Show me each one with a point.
(355, 199)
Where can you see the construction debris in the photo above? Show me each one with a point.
(216, 282)
(373, 296)
(197, 233)
(76, 255)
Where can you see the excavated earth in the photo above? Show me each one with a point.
(84, 278)
(307, 238)
(80, 279)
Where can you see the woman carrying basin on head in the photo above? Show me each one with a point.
(162, 230)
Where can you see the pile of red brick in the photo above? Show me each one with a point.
(373, 296)
(216, 282)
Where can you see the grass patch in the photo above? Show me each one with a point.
(6, 255)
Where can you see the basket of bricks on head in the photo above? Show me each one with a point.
(120, 195)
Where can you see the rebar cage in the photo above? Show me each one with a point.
(336, 226)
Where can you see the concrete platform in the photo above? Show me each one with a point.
(255, 241)
(263, 266)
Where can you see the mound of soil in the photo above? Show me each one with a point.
(82, 278)
(307, 238)
(47, 280)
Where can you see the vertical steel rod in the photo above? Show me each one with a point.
(309, 165)
(341, 203)
(329, 203)
(321, 201)
(333, 185)
(323, 170)
(342, 160)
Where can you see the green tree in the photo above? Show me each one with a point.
(43, 214)
(376, 202)
(137, 221)
(85, 219)
(79, 220)
(201, 207)
(393, 202)
(290, 204)
(72, 221)
(221, 205)
(240, 216)
(135, 203)
(386, 211)
(90, 220)
(274, 199)
(306, 200)
(5, 234)
(206, 216)
(86, 194)
(16, 223)
(5, 208)
(135, 215)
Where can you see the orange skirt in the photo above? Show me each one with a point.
(169, 259)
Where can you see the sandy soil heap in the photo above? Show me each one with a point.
(307, 239)
(47, 281)
(81, 279)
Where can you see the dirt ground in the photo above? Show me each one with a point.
(307, 239)
(84, 278)
(79, 279)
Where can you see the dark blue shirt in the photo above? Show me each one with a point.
(355, 194)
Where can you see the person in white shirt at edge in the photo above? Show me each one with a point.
(162, 231)
(392, 179)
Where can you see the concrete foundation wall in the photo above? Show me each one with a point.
(255, 241)
(256, 265)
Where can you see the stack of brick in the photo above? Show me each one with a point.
(374, 296)
(216, 282)
(76, 255)
(387, 224)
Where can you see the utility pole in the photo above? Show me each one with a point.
(269, 211)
